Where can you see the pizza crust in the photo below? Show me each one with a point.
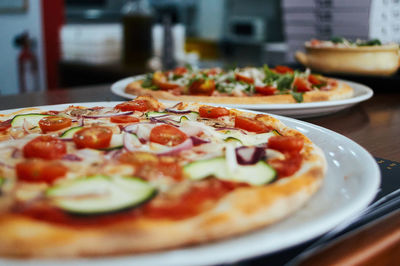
(342, 91)
(254, 208)
(243, 210)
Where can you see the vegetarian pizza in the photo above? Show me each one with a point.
(139, 177)
(250, 85)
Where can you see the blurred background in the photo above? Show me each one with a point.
(50, 44)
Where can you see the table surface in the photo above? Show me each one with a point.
(374, 124)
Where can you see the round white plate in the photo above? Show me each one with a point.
(351, 183)
(296, 110)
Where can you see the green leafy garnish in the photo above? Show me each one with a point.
(193, 80)
(270, 76)
(227, 88)
(148, 81)
(298, 96)
(232, 67)
(370, 43)
(337, 39)
(189, 67)
(285, 81)
(176, 76)
(250, 89)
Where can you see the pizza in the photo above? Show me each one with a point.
(140, 176)
(250, 85)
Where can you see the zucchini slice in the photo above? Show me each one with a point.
(233, 140)
(2, 181)
(33, 119)
(69, 133)
(257, 174)
(155, 114)
(100, 194)
(247, 140)
(192, 116)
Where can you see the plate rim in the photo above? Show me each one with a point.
(345, 212)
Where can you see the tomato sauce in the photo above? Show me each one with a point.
(4, 125)
(192, 202)
(198, 198)
(47, 213)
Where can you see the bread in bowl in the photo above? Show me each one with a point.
(359, 58)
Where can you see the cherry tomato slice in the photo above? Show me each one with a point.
(202, 87)
(165, 86)
(180, 70)
(123, 119)
(251, 125)
(213, 71)
(314, 80)
(136, 105)
(4, 125)
(160, 79)
(315, 42)
(291, 144)
(54, 123)
(96, 137)
(40, 171)
(167, 135)
(301, 85)
(283, 69)
(244, 78)
(212, 112)
(45, 147)
(265, 90)
(288, 166)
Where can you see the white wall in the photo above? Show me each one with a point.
(10, 26)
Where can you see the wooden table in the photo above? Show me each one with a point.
(374, 124)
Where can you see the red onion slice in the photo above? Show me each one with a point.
(131, 143)
(158, 120)
(142, 130)
(107, 115)
(71, 157)
(175, 105)
(112, 154)
(198, 141)
(249, 155)
(176, 111)
(191, 128)
(26, 126)
(187, 144)
(81, 121)
(6, 165)
(16, 153)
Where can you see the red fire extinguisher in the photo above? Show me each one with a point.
(27, 64)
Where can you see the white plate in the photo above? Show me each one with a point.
(351, 183)
(296, 110)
